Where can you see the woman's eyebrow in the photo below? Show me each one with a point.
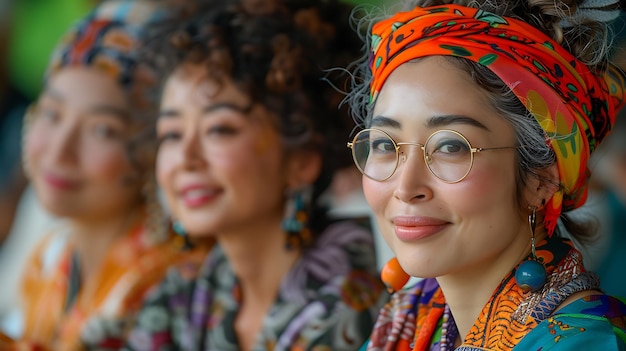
(446, 120)
(173, 112)
(227, 105)
(432, 122)
(121, 113)
(168, 113)
(97, 109)
(51, 93)
(382, 121)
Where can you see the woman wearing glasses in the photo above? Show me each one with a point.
(479, 122)
(246, 128)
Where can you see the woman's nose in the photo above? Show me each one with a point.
(192, 151)
(412, 176)
(64, 143)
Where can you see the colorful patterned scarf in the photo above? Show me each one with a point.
(419, 319)
(108, 40)
(104, 305)
(575, 106)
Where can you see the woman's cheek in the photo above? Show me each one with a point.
(110, 164)
(489, 184)
(35, 144)
(164, 167)
(376, 194)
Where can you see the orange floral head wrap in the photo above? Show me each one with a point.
(573, 105)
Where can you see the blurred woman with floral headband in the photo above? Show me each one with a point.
(249, 134)
(480, 117)
(90, 165)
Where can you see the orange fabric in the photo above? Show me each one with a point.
(130, 268)
(427, 321)
(7, 344)
(497, 327)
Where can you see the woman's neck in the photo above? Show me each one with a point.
(468, 291)
(93, 237)
(260, 261)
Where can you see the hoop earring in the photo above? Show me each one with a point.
(393, 276)
(178, 228)
(296, 220)
(531, 274)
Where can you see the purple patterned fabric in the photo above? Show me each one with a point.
(328, 301)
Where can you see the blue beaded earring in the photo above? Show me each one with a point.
(296, 220)
(531, 274)
(182, 234)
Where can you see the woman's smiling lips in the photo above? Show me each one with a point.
(60, 182)
(410, 228)
(198, 195)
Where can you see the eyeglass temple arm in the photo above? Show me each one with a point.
(479, 149)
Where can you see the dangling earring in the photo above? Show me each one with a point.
(182, 234)
(531, 274)
(393, 276)
(296, 220)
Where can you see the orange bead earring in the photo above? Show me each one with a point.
(393, 276)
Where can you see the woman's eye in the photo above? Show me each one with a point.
(222, 130)
(107, 132)
(168, 137)
(383, 145)
(452, 147)
(47, 114)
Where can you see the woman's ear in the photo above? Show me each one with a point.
(303, 167)
(542, 185)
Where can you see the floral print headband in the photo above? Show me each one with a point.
(575, 106)
(108, 39)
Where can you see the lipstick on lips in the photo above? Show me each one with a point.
(411, 228)
(60, 182)
(197, 195)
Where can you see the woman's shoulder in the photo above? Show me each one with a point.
(49, 251)
(346, 232)
(342, 248)
(343, 256)
(183, 272)
(330, 298)
(593, 322)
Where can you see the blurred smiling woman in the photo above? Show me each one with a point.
(91, 166)
(248, 134)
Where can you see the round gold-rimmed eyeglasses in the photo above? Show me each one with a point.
(448, 154)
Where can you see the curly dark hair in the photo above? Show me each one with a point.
(288, 55)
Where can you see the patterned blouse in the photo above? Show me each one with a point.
(328, 301)
(418, 318)
(61, 313)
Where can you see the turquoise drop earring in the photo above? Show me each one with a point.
(531, 274)
(295, 222)
(182, 233)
